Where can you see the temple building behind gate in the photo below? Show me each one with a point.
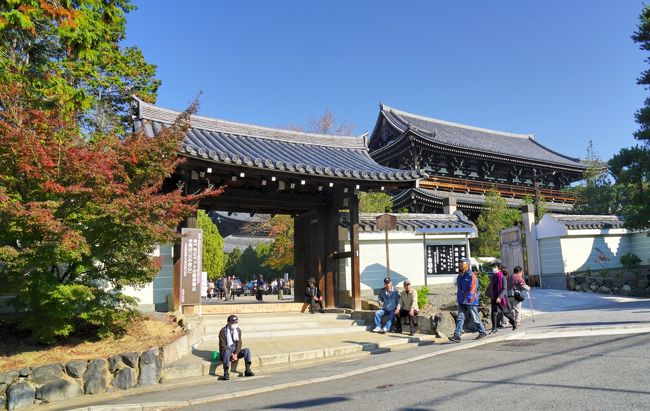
(465, 162)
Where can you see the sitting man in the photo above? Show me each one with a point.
(387, 304)
(230, 347)
(407, 306)
(313, 296)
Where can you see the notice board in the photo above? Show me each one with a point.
(191, 265)
(444, 259)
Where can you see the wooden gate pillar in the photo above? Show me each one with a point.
(354, 248)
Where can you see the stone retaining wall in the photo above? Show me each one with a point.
(632, 282)
(57, 382)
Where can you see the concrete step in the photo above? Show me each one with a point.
(265, 318)
(284, 326)
(271, 332)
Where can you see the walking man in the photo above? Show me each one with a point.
(388, 298)
(407, 307)
(230, 347)
(467, 297)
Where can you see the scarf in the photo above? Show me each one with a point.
(232, 336)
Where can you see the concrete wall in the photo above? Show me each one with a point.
(406, 251)
(154, 296)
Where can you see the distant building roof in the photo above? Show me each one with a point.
(429, 223)
(439, 132)
(245, 145)
(243, 242)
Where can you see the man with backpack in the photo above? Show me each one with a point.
(467, 297)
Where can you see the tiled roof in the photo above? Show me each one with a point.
(476, 200)
(432, 223)
(589, 222)
(246, 145)
(521, 146)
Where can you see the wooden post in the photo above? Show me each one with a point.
(387, 255)
(386, 222)
(354, 248)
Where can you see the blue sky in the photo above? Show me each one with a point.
(565, 70)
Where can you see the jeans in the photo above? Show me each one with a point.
(380, 313)
(245, 352)
(468, 311)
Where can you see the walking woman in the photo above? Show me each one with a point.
(497, 292)
(260, 288)
(516, 282)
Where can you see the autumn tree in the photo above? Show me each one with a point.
(81, 218)
(494, 217)
(68, 56)
(631, 166)
(214, 259)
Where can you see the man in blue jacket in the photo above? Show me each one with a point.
(388, 299)
(467, 297)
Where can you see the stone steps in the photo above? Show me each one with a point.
(261, 325)
(288, 351)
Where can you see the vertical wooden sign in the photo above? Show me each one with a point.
(191, 265)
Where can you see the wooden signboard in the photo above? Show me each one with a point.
(191, 265)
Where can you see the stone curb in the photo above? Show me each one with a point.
(577, 331)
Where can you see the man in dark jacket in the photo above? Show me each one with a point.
(313, 296)
(467, 297)
(230, 347)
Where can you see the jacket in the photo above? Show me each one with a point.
(408, 300)
(467, 285)
(389, 299)
(311, 292)
(223, 345)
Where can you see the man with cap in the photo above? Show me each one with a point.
(230, 347)
(467, 297)
(313, 296)
(407, 307)
(388, 298)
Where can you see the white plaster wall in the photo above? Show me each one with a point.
(580, 253)
(640, 243)
(406, 259)
(153, 296)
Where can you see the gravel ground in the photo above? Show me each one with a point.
(441, 298)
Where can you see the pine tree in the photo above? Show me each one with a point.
(631, 166)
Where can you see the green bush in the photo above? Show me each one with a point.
(423, 292)
(483, 284)
(630, 260)
(59, 311)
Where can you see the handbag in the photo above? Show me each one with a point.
(518, 295)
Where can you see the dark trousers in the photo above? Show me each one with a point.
(405, 313)
(245, 352)
(497, 313)
(313, 303)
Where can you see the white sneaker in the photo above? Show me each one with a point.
(384, 330)
(376, 330)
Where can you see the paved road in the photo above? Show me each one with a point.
(588, 373)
